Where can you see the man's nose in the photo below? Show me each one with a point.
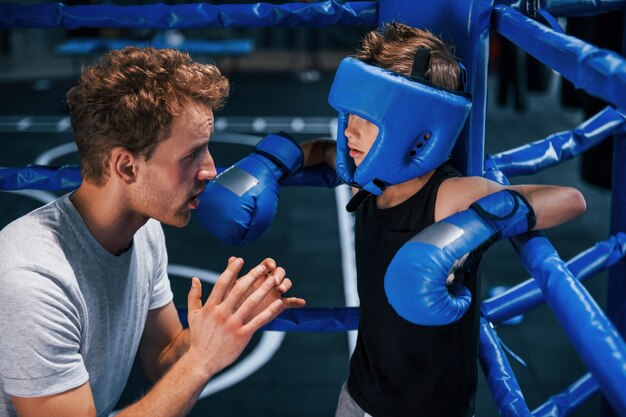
(207, 170)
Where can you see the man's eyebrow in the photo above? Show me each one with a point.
(202, 145)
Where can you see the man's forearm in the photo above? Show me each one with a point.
(156, 364)
(174, 394)
(174, 352)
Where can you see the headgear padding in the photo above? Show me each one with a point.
(417, 124)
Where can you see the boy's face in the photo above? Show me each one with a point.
(176, 173)
(361, 135)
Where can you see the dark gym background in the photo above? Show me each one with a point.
(289, 75)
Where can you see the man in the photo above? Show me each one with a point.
(83, 280)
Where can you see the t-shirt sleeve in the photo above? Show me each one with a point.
(40, 342)
(161, 290)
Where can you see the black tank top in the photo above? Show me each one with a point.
(400, 369)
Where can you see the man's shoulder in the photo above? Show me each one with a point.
(32, 237)
(152, 233)
(34, 223)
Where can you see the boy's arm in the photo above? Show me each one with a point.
(553, 205)
(319, 152)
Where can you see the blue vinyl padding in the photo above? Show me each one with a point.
(505, 390)
(67, 177)
(188, 16)
(467, 24)
(591, 333)
(38, 177)
(527, 295)
(565, 402)
(322, 320)
(559, 147)
(599, 72)
(565, 8)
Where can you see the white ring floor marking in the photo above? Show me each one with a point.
(267, 347)
(43, 197)
(56, 152)
(24, 123)
(64, 124)
(343, 193)
(189, 271)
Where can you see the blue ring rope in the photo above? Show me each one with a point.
(67, 177)
(599, 72)
(188, 16)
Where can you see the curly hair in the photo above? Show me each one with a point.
(129, 98)
(394, 46)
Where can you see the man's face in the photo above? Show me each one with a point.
(171, 180)
(361, 135)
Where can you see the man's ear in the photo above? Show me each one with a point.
(124, 165)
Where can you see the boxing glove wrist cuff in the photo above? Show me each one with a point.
(503, 209)
(282, 150)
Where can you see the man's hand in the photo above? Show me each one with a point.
(236, 308)
(283, 284)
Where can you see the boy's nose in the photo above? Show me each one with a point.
(351, 134)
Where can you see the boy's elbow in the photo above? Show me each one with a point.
(576, 202)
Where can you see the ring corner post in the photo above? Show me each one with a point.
(467, 25)
(616, 285)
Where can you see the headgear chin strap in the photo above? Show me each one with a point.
(417, 124)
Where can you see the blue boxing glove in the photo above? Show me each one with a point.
(241, 202)
(415, 281)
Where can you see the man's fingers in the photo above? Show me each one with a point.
(265, 316)
(236, 294)
(249, 304)
(194, 298)
(223, 283)
(293, 302)
(269, 263)
(279, 275)
(284, 286)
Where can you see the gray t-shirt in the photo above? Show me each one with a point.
(70, 311)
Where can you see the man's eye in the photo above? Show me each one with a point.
(195, 154)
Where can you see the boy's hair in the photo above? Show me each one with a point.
(394, 47)
(129, 98)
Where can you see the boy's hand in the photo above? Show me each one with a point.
(415, 281)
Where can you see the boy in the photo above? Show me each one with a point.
(398, 368)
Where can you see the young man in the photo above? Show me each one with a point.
(396, 148)
(83, 280)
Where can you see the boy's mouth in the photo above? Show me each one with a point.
(355, 153)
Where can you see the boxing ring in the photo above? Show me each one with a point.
(597, 336)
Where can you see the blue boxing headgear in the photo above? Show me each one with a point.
(417, 124)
